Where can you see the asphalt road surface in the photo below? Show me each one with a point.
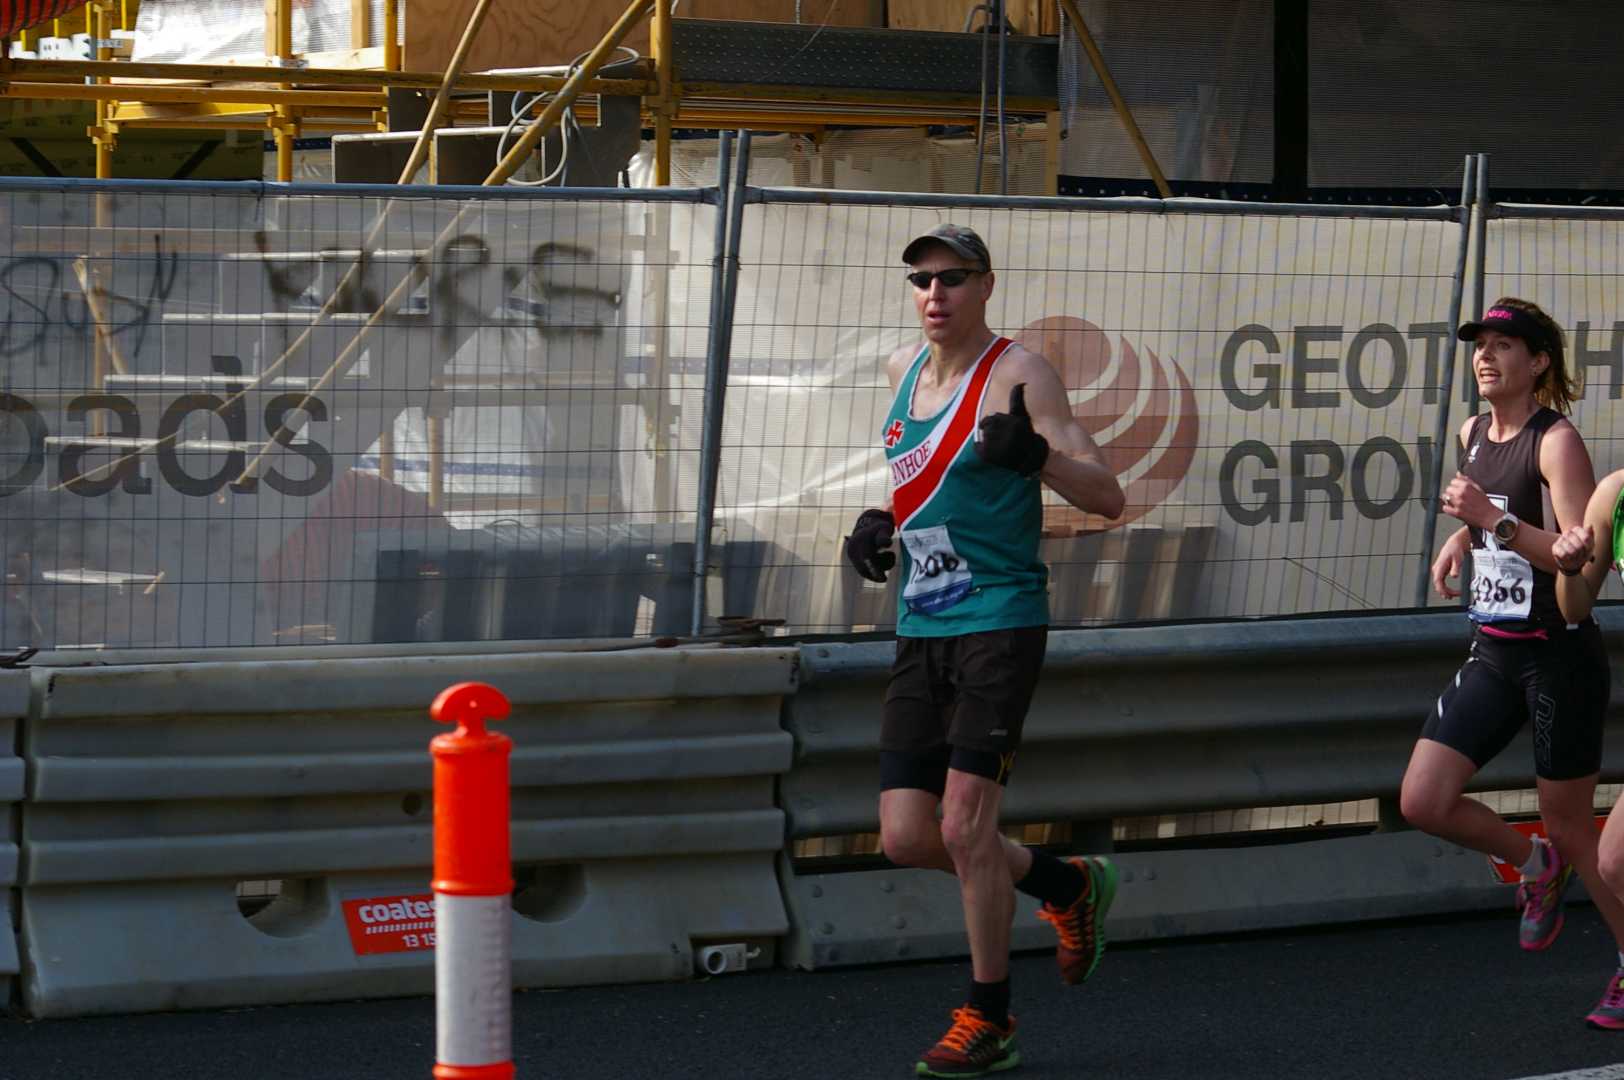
(1432, 999)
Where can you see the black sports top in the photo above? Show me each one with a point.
(1508, 593)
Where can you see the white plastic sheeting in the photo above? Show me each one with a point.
(193, 32)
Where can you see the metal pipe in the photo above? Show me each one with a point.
(937, 200)
(1525, 211)
(724, 294)
(1440, 431)
(391, 35)
(712, 361)
(660, 46)
(282, 120)
(191, 94)
(981, 113)
(263, 189)
(1003, 59)
(104, 134)
(1480, 237)
(23, 70)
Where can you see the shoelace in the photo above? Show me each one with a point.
(1067, 924)
(968, 1024)
(1541, 892)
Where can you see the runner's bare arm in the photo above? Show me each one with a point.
(1075, 470)
(1452, 552)
(1593, 543)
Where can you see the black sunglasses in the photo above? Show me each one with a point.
(958, 275)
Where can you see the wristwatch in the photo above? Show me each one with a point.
(1505, 530)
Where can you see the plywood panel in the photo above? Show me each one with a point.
(1026, 16)
(528, 33)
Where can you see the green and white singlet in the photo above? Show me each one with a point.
(968, 529)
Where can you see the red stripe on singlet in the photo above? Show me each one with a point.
(908, 498)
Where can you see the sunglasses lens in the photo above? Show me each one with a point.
(950, 278)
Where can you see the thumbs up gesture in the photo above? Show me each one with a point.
(1006, 439)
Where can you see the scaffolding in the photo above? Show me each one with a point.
(829, 79)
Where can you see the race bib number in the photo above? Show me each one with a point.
(940, 577)
(1502, 585)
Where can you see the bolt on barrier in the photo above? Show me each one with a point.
(473, 879)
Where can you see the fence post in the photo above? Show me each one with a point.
(1481, 238)
(724, 296)
(1440, 434)
(473, 880)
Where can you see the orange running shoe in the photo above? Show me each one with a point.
(1081, 927)
(973, 1046)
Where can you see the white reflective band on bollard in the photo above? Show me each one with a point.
(473, 993)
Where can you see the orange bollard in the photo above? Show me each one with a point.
(473, 880)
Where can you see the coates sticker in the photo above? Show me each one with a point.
(390, 924)
(1508, 873)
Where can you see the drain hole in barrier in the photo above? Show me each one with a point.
(548, 893)
(283, 908)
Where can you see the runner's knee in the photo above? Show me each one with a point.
(1425, 806)
(909, 842)
(1610, 863)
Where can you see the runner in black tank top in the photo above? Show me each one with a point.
(1524, 477)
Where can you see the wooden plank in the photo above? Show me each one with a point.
(527, 33)
(927, 14)
(370, 58)
(1027, 15)
(271, 24)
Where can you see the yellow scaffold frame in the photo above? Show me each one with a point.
(331, 92)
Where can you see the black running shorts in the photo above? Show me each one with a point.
(958, 702)
(1562, 684)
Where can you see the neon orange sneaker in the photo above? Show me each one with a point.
(973, 1046)
(1081, 927)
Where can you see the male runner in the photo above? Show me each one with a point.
(978, 425)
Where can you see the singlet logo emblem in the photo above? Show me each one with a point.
(893, 434)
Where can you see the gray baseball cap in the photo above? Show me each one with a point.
(961, 240)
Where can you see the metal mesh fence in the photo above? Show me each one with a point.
(1265, 386)
(239, 416)
(244, 415)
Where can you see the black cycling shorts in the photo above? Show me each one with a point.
(958, 702)
(1562, 684)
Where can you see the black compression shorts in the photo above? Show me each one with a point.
(1562, 684)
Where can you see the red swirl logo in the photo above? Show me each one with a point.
(1140, 410)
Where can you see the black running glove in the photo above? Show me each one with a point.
(1007, 438)
(865, 547)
